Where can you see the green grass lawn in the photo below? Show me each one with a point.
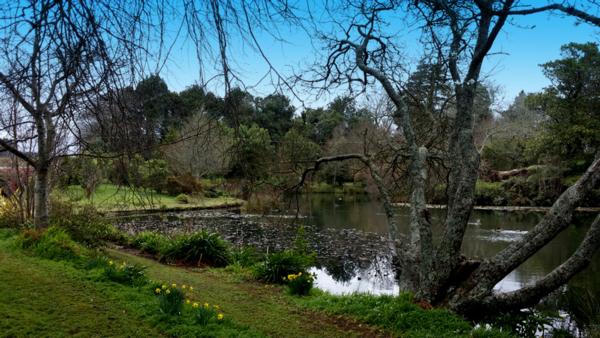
(110, 197)
(46, 298)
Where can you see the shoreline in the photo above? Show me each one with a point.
(503, 208)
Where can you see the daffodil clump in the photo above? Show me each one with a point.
(206, 313)
(173, 298)
(299, 283)
(125, 273)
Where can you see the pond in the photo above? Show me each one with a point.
(488, 233)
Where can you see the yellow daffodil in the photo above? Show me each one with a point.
(110, 263)
(164, 287)
(184, 286)
(195, 305)
(216, 307)
(187, 301)
(157, 290)
(220, 316)
(206, 306)
(191, 288)
(173, 285)
(168, 291)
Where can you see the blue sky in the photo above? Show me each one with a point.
(516, 68)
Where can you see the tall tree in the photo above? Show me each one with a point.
(571, 104)
(56, 56)
(461, 35)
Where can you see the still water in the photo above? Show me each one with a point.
(488, 233)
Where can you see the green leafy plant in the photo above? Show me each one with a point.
(124, 273)
(149, 242)
(170, 299)
(196, 249)
(300, 283)
(278, 265)
(52, 243)
(205, 314)
(183, 199)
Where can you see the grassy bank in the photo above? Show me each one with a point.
(63, 298)
(43, 297)
(108, 197)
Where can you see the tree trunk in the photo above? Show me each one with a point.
(41, 198)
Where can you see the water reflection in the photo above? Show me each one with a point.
(488, 233)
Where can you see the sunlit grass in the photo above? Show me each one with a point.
(112, 197)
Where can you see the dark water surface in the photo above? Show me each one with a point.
(488, 233)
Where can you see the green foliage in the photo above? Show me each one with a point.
(182, 198)
(397, 314)
(182, 184)
(583, 307)
(524, 323)
(490, 193)
(299, 284)
(170, 299)
(490, 333)
(297, 151)
(200, 248)
(278, 265)
(505, 153)
(245, 256)
(150, 242)
(52, 243)
(253, 150)
(572, 129)
(84, 224)
(204, 314)
(124, 273)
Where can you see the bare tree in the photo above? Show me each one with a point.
(56, 56)
(459, 36)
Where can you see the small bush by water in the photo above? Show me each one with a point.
(278, 265)
(299, 284)
(196, 249)
(149, 242)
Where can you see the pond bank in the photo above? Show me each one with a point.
(345, 255)
(504, 208)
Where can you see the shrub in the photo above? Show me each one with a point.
(129, 274)
(245, 256)
(85, 225)
(170, 299)
(278, 265)
(199, 248)
(182, 198)
(184, 184)
(490, 193)
(149, 242)
(524, 323)
(300, 283)
(53, 243)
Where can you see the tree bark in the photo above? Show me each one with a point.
(41, 214)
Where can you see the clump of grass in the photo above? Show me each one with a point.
(200, 248)
(149, 242)
(52, 243)
(397, 314)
